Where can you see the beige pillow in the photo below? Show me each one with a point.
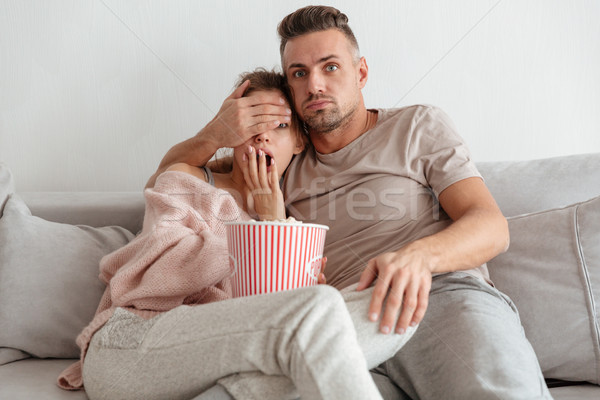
(552, 273)
(7, 186)
(49, 286)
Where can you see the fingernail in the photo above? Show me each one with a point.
(250, 149)
(413, 324)
(244, 157)
(288, 110)
(260, 152)
(373, 316)
(281, 100)
(385, 330)
(287, 118)
(400, 331)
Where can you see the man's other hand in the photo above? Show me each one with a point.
(404, 277)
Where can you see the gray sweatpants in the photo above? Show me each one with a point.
(309, 335)
(470, 345)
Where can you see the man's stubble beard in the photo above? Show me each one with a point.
(326, 121)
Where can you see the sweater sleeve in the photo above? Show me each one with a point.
(181, 253)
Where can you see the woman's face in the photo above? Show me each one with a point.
(279, 144)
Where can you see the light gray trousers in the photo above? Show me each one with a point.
(322, 343)
(470, 345)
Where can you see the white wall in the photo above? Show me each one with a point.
(94, 92)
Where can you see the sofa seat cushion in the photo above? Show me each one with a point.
(552, 273)
(581, 391)
(35, 379)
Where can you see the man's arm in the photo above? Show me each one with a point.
(238, 119)
(195, 151)
(479, 233)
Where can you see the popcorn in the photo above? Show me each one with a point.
(288, 220)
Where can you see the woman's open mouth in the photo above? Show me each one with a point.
(268, 158)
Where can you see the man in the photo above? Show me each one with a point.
(378, 179)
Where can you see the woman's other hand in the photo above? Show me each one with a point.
(263, 183)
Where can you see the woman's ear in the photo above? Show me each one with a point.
(299, 148)
(301, 140)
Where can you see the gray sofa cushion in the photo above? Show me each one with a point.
(35, 379)
(7, 186)
(49, 286)
(552, 273)
(97, 209)
(522, 187)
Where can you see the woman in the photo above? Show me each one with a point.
(167, 326)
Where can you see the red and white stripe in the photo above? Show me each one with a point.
(268, 258)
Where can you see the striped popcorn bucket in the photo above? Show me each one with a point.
(271, 256)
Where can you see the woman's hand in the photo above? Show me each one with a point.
(263, 183)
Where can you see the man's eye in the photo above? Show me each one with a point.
(298, 74)
(283, 125)
(331, 68)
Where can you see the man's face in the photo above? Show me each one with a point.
(325, 78)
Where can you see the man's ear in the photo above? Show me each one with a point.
(363, 72)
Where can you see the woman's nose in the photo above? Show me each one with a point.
(263, 137)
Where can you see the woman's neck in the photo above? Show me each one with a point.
(233, 182)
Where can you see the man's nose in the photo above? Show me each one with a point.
(315, 83)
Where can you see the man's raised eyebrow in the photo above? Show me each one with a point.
(321, 60)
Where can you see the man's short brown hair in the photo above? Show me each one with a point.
(315, 19)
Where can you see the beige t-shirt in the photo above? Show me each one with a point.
(380, 191)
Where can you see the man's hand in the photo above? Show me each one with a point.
(263, 185)
(238, 120)
(405, 277)
(241, 118)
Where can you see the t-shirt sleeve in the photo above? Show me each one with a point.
(437, 153)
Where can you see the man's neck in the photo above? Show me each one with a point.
(332, 141)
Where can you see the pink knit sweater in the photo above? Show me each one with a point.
(180, 257)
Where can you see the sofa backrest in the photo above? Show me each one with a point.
(521, 187)
(95, 209)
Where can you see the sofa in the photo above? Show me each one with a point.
(51, 243)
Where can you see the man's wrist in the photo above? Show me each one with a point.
(427, 252)
(205, 140)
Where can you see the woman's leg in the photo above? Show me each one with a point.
(375, 346)
(305, 334)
